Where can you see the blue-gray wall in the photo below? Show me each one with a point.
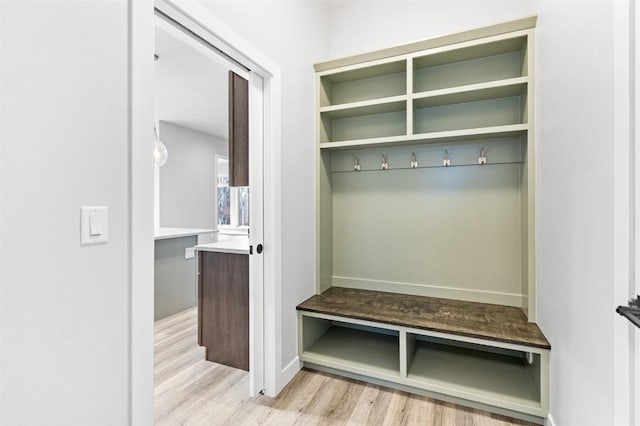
(188, 179)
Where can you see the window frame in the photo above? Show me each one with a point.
(234, 204)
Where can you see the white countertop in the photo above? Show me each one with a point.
(164, 233)
(235, 244)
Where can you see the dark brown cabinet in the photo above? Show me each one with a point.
(223, 307)
(238, 130)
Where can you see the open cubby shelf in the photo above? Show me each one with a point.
(341, 346)
(371, 82)
(494, 377)
(474, 108)
(473, 87)
(426, 270)
(498, 60)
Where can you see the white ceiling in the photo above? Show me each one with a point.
(190, 87)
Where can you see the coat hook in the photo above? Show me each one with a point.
(482, 159)
(356, 164)
(414, 161)
(446, 161)
(384, 165)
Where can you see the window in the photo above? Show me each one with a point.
(233, 203)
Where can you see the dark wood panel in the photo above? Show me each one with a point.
(483, 320)
(224, 308)
(238, 130)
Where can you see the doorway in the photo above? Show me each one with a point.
(264, 301)
(264, 95)
(196, 195)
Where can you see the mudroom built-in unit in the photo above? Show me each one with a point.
(426, 221)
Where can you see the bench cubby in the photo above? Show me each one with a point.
(483, 355)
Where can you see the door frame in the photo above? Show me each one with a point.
(141, 73)
(634, 334)
(626, 210)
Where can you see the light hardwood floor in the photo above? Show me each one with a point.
(192, 391)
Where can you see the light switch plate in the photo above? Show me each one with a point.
(94, 225)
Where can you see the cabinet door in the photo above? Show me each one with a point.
(238, 130)
(224, 308)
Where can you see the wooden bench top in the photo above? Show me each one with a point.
(481, 320)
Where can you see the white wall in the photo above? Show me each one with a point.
(575, 206)
(575, 180)
(294, 35)
(64, 321)
(188, 178)
(359, 26)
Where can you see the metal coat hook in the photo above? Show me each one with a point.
(384, 165)
(414, 161)
(482, 159)
(446, 161)
(356, 164)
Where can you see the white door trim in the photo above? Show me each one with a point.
(256, 221)
(141, 200)
(625, 211)
(141, 197)
(635, 143)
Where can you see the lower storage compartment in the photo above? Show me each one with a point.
(505, 378)
(362, 349)
(501, 377)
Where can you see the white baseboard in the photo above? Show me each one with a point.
(289, 372)
(470, 295)
(550, 421)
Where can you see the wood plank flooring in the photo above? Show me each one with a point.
(192, 391)
(484, 320)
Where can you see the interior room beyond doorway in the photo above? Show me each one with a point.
(200, 218)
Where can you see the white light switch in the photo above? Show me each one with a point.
(93, 225)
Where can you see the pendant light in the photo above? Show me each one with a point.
(160, 153)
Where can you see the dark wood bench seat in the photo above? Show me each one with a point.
(472, 319)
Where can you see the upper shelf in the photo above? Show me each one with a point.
(454, 95)
(376, 106)
(475, 111)
(483, 50)
(433, 137)
(473, 89)
(379, 81)
(471, 92)
(498, 60)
